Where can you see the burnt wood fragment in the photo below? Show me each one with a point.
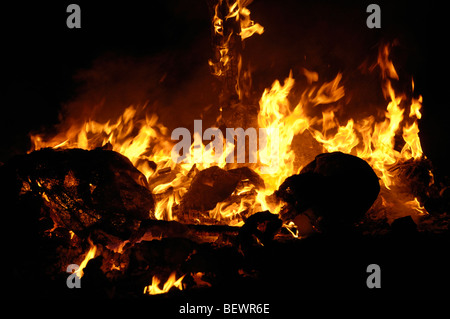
(414, 175)
(214, 185)
(78, 189)
(336, 189)
(259, 228)
(159, 229)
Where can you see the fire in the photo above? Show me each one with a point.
(229, 21)
(248, 27)
(275, 115)
(89, 255)
(154, 288)
(414, 204)
(146, 142)
(371, 140)
(129, 136)
(375, 141)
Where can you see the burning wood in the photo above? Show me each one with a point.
(117, 240)
(334, 190)
(158, 229)
(231, 25)
(81, 190)
(214, 185)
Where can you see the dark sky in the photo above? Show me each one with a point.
(124, 49)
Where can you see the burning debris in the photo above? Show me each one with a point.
(215, 185)
(335, 190)
(111, 198)
(82, 190)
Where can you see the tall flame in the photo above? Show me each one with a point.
(373, 141)
(276, 116)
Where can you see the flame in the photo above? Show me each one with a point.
(128, 136)
(239, 11)
(374, 141)
(89, 255)
(154, 288)
(229, 21)
(248, 27)
(275, 115)
(143, 139)
(343, 141)
(414, 204)
(198, 279)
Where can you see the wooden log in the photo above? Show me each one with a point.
(214, 185)
(159, 229)
(335, 189)
(78, 189)
(228, 65)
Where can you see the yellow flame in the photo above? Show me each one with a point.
(414, 204)
(90, 254)
(154, 288)
(275, 115)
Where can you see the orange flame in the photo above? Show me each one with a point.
(154, 288)
(89, 255)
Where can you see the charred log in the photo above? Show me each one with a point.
(414, 176)
(335, 190)
(159, 229)
(77, 189)
(260, 228)
(214, 185)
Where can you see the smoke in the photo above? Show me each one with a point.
(175, 85)
(325, 37)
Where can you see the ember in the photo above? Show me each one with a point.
(318, 195)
